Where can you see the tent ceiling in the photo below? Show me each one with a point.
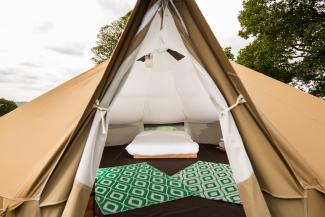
(165, 87)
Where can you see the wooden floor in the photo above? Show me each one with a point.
(186, 207)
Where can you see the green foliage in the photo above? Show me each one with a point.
(229, 54)
(265, 57)
(289, 40)
(107, 39)
(6, 106)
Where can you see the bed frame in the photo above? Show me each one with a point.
(165, 156)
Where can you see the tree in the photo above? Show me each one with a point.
(289, 41)
(229, 54)
(107, 39)
(6, 106)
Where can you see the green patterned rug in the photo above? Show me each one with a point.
(212, 181)
(128, 187)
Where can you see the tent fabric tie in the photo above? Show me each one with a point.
(240, 100)
(3, 211)
(103, 111)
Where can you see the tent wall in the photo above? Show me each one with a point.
(209, 133)
(122, 134)
(58, 187)
(288, 117)
(311, 205)
(34, 138)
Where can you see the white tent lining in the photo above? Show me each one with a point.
(238, 158)
(182, 96)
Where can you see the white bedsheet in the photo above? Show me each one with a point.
(152, 143)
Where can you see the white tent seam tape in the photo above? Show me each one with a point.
(103, 111)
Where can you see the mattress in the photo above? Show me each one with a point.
(154, 143)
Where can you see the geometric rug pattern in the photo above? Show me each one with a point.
(212, 181)
(128, 187)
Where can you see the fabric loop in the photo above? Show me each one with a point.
(3, 211)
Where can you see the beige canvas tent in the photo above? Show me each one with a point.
(51, 147)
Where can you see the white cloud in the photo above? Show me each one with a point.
(76, 49)
(43, 27)
(44, 43)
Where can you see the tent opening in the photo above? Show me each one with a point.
(163, 104)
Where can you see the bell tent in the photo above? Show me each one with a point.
(167, 68)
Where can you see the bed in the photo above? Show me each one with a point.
(163, 144)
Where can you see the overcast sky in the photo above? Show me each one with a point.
(44, 43)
